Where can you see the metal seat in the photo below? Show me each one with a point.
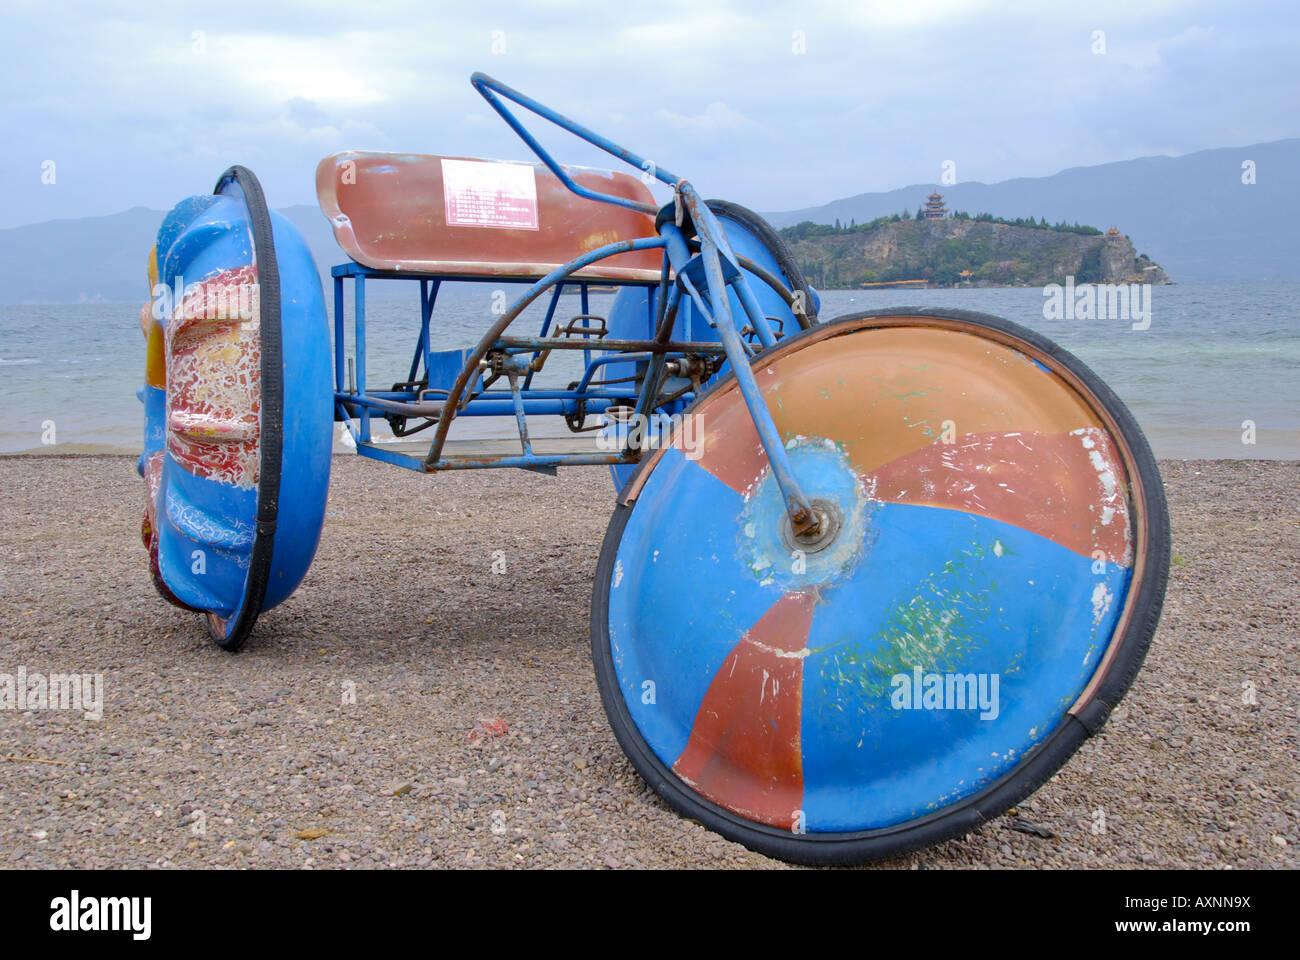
(454, 216)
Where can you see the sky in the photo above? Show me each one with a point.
(110, 105)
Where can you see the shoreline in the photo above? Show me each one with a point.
(919, 284)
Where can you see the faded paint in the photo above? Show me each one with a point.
(1029, 452)
(214, 384)
(388, 212)
(744, 751)
(883, 395)
(818, 465)
(1049, 485)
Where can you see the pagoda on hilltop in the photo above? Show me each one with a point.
(934, 208)
(1113, 234)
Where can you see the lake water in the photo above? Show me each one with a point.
(1214, 356)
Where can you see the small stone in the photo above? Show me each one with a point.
(487, 728)
(1021, 825)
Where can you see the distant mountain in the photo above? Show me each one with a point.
(1190, 214)
(66, 261)
(104, 258)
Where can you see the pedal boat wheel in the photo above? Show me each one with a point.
(983, 588)
(238, 408)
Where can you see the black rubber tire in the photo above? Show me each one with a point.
(231, 636)
(775, 243)
(1037, 766)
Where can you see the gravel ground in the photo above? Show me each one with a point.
(204, 758)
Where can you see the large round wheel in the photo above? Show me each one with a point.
(238, 408)
(988, 575)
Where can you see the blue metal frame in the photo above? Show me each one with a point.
(704, 277)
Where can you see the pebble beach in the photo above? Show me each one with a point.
(410, 707)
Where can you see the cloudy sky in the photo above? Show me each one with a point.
(771, 105)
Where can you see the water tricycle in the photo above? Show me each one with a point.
(868, 582)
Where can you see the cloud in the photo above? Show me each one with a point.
(716, 118)
(306, 113)
(876, 92)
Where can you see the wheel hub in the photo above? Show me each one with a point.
(821, 536)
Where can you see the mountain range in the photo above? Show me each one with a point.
(1194, 215)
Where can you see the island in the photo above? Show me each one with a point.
(938, 248)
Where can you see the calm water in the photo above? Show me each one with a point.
(1214, 356)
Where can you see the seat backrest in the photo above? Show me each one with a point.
(415, 213)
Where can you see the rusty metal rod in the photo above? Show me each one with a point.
(618, 346)
(502, 323)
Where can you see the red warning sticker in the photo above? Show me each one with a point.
(484, 193)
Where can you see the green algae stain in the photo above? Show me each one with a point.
(938, 629)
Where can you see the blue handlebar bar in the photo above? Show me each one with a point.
(490, 88)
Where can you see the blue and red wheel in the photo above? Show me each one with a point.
(238, 418)
(983, 589)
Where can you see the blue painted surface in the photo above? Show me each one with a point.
(631, 315)
(680, 599)
(205, 527)
(308, 413)
(950, 591)
(822, 467)
(155, 415)
(205, 537)
(955, 593)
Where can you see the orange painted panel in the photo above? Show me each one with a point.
(1064, 487)
(744, 751)
(390, 211)
(886, 393)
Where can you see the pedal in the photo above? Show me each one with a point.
(575, 329)
(750, 334)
